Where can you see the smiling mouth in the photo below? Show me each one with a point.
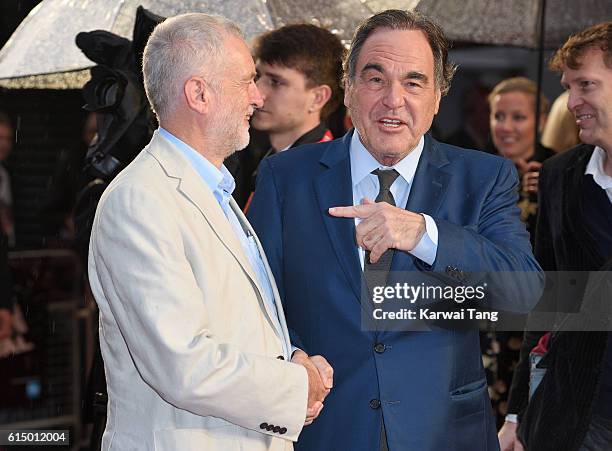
(508, 140)
(391, 123)
(583, 117)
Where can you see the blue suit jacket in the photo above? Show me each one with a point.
(431, 385)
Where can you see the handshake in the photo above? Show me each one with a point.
(320, 381)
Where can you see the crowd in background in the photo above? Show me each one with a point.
(293, 64)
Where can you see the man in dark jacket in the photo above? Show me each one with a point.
(441, 213)
(299, 68)
(572, 407)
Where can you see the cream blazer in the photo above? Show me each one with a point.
(192, 358)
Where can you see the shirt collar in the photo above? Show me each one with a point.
(595, 167)
(220, 182)
(363, 163)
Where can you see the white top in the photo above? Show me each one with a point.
(595, 167)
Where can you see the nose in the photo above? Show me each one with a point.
(394, 95)
(262, 87)
(503, 123)
(573, 100)
(255, 96)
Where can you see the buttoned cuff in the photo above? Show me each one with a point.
(511, 418)
(427, 248)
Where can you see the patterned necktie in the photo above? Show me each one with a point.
(376, 273)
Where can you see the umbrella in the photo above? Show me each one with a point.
(515, 22)
(43, 43)
(41, 53)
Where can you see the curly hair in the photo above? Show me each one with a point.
(596, 37)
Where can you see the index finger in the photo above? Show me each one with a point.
(353, 211)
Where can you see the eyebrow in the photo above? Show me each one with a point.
(270, 73)
(566, 84)
(373, 66)
(415, 75)
(411, 75)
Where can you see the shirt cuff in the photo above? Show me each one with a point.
(427, 248)
(511, 418)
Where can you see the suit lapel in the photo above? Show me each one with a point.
(191, 186)
(427, 192)
(283, 333)
(333, 189)
(573, 213)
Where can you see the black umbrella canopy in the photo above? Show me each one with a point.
(515, 22)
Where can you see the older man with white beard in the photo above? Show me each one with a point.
(192, 332)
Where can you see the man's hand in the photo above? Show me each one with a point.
(383, 227)
(326, 372)
(508, 441)
(6, 323)
(531, 175)
(320, 381)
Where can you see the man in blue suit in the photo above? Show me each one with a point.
(439, 210)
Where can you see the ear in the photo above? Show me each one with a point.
(438, 98)
(197, 95)
(347, 93)
(321, 95)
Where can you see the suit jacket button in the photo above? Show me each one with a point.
(280, 357)
(380, 348)
(270, 427)
(276, 429)
(282, 431)
(375, 403)
(263, 425)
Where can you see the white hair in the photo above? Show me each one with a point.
(180, 47)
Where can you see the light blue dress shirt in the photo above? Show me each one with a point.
(222, 184)
(365, 184)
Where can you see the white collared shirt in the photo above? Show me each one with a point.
(595, 167)
(365, 184)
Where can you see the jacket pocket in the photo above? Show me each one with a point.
(469, 398)
(469, 416)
